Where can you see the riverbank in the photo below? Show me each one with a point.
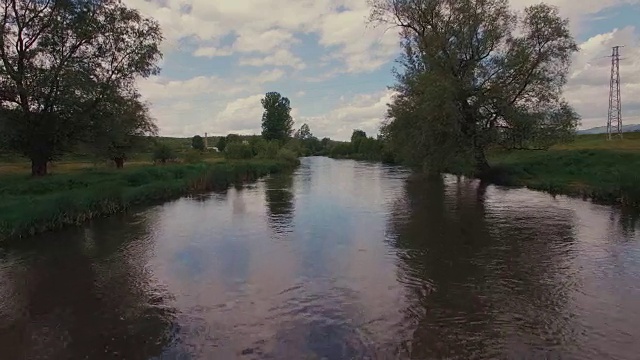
(606, 176)
(33, 205)
(590, 167)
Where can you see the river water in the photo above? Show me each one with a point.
(339, 260)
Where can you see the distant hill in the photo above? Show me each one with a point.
(603, 129)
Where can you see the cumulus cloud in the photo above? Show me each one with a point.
(363, 111)
(212, 51)
(269, 27)
(272, 37)
(279, 58)
(588, 87)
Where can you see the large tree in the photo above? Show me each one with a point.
(277, 123)
(197, 142)
(472, 72)
(121, 125)
(61, 60)
(303, 133)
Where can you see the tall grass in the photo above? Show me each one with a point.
(30, 206)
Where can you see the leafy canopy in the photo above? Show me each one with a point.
(277, 123)
(472, 71)
(119, 127)
(197, 143)
(61, 60)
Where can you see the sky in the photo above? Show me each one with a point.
(222, 56)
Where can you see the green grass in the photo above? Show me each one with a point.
(33, 205)
(591, 167)
(629, 143)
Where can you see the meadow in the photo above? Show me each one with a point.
(79, 189)
(591, 166)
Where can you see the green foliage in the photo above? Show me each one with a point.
(356, 138)
(287, 156)
(105, 46)
(236, 150)
(30, 206)
(296, 146)
(163, 153)
(258, 145)
(222, 144)
(342, 149)
(277, 123)
(269, 151)
(360, 147)
(197, 143)
(193, 157)
(604, 175)
(233, 138)
(486, 77)
(303, 133)
(120, 127)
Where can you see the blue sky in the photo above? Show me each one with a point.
(221, 56)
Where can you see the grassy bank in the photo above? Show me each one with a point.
(602, 175)
(590, 167)
(33, 205)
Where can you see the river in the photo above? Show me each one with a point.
(339, 260)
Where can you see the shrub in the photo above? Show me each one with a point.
(163, 153)
(341, 149)
(288, 156)
(258, 146)
(270, 150)
(193, 157)
(238, 150)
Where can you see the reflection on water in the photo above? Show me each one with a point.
(339, 260)
(279, 197)
(84, 293)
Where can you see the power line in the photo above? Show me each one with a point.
(614, 116)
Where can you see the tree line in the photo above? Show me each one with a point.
(473, 75)
(278, 137)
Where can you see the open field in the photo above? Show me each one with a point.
(629, 143)
(591, 167)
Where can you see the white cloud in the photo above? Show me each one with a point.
(269, 34)
(264, 41)
(588, 87)
(268, 27)
(363, 111)
(279, 58)
(212, 51)
(240, 116)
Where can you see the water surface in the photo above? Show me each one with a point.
(338, 260)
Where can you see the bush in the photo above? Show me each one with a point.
(341, 149)
(270, 150)
(258, 146)
(238, 150)
(163, 153)
(288, 156)
(193, 157)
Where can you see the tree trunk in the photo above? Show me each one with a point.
(482, 165)
(119, 162)
(38, 167)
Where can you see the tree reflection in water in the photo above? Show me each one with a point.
(481, 281)
(89, 297)
(280, 202)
